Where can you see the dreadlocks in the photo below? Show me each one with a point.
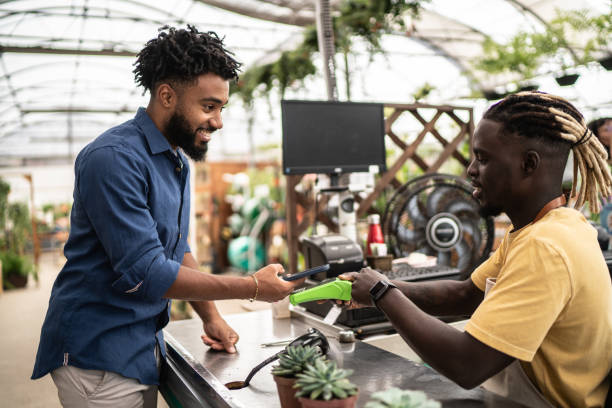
(553, 120)
(182, 55)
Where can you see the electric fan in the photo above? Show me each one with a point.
(436, 215)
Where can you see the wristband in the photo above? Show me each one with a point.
(379, 289)
(256, 288)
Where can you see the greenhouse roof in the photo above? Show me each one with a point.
(67, 76)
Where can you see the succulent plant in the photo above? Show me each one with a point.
(323, 380)
(396, 398)
(294, 360)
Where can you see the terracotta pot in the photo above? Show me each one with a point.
(286, 392)
(333, 403)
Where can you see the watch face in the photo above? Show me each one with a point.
(380, 288)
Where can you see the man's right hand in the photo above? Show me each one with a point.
(271, 287)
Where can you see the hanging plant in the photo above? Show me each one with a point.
(365, 19)
(525, 51)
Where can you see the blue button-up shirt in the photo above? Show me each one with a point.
(128, 236)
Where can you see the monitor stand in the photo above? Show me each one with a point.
(347, 216)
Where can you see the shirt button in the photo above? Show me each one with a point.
(180, 235)
(178, 169)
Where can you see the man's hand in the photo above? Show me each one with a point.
(362, 283)
(219, 335)
(271, 287)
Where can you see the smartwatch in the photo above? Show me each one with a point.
(379, 289)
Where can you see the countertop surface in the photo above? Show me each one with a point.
(374, 369)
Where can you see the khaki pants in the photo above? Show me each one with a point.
(79, 388)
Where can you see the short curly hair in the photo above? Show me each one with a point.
(181, 55)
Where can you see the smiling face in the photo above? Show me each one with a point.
(495, 169)
(197, 114)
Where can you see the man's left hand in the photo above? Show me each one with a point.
(219, 335)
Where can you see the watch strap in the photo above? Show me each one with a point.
(379, 289)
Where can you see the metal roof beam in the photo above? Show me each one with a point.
(77, 110)
(64, 51)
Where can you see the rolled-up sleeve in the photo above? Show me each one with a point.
(112, 186)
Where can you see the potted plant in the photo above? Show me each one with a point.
(290, 363)
(396, 398)
(324, 385)
(15, 270)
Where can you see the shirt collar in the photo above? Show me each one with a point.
(156, 141)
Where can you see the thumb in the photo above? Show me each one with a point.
(228, 344)
(348, 276)
(229, 347)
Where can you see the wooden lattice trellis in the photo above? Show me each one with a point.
(304, 204)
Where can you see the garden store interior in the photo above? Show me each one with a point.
(422, 72)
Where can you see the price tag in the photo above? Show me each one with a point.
(333, 314)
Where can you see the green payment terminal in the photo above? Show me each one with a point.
(332, 288)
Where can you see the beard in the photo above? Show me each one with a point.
(180, 134)
(486, 211)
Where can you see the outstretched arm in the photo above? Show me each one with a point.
(443, 297)
(191, 284)
(443, 347)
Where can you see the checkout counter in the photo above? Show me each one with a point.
(194, 376)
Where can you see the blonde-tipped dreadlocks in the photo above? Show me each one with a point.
(541, 115)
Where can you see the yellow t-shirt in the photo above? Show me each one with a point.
(551, 307)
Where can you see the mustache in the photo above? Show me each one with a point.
(209, 129)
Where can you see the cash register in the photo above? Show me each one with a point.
(344, 255)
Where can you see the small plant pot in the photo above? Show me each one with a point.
(606, 63)
(16, 281)
(333, 403)
(566, 80)
(286, 392)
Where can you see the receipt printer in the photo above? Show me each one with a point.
(341, 253)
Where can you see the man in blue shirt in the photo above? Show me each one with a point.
(127, 253)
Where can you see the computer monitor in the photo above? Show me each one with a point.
(332, 137)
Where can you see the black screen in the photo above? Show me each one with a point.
(332, 137)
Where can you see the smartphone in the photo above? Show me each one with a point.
(307, 272)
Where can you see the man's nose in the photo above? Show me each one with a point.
(216, 121)
(471, 170)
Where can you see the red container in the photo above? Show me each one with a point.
(375, 235)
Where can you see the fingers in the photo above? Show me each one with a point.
(278, 268)
(227, 345)
(349, 276)
(296, 283)
(213, 344)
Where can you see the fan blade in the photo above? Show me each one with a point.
(436, 198)
(470, 227)
(464, 255)
(407, 235)
(460, 206)
(444, 258)
(414, 212)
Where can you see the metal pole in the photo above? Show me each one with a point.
(325, 36)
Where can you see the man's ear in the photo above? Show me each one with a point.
(531, 162)
(166, 95)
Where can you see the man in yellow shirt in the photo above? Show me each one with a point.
(543, 333)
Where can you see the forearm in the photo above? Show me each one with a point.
(453, 353)
(443, 297)
(206, 309)
(193, 285)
